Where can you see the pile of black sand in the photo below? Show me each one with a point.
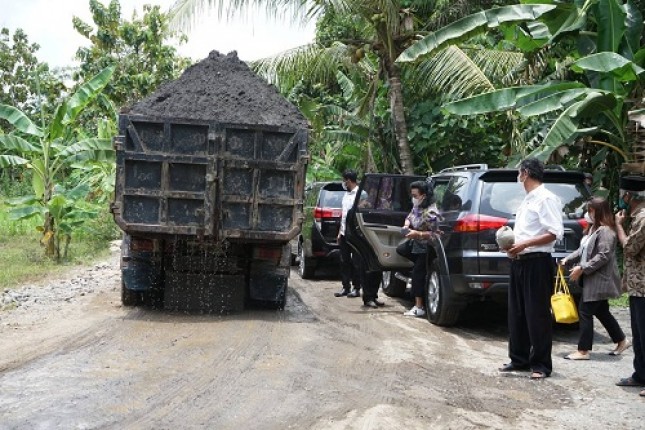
(223, 89)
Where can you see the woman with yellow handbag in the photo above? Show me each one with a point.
(597, 272)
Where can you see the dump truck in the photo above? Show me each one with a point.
(210, 175)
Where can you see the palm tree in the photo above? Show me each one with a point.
(384, 29)
(387, 28)
(594, 106)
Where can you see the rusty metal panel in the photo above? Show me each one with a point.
(218, 180)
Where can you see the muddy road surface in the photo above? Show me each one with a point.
(73, 358)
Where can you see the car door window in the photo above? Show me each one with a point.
(379, 213)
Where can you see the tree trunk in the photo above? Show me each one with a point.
(398, 118)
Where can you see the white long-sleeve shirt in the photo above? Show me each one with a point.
(346, 204)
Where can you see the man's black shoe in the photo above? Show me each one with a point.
(354, 293)
(378, 302)
(510, 367)
(341, 293)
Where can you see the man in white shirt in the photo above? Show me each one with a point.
(349, 273)
(538, 224)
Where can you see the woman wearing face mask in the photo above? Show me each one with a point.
(422, 223)
(595, 266)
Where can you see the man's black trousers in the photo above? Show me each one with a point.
(530, 323)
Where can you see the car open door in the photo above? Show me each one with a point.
(374, 223)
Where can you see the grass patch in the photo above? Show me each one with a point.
(22, 258)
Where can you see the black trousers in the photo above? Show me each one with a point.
(419, 273)
(637, 311)
(371, 284)
(599, 309)
(530, 323)
(350, 266)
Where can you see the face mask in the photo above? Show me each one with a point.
(416, 202)
(588, 218)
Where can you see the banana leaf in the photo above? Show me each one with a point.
(87, 92)
(25, 212)
(634, 28)
(557, 101)
(69, 110)
(566, 127)
(95, 149)
(609, 62)
(19, 120)
(472, 25)
(16, 143)
(506, 98)
(611, 25)
(12, 160)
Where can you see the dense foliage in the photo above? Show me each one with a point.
(140, 49)
(57, 142)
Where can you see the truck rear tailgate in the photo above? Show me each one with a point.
(208, 179)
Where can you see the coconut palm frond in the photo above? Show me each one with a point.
(496, 64)
(185, 13)
(312, 63)
(452, 72)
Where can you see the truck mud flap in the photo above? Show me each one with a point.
(140, 274)
(204, 292)
(268, 284)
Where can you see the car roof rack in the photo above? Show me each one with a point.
(465, 167)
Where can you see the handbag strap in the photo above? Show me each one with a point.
(560, 283)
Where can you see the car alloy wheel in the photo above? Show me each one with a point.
(434, 291)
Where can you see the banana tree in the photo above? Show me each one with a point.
(608, 68)
(49, 149)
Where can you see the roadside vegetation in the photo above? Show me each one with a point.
(56, 158)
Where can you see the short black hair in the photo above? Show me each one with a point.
(534, 168)
(350, 175)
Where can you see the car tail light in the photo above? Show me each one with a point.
(267, 253)
(583, 223)
(475, 222)
(322, 213)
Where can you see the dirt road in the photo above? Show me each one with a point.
(84, 362)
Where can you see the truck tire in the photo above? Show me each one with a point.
(392, 286)
(129, 297)
(441, 305)
(306, 266)
(282, 302)
(154, 297)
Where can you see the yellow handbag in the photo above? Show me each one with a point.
(562, 303)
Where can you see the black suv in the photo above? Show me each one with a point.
(318, 238)
(465, 264)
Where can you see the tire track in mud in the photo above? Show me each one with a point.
(211, 392)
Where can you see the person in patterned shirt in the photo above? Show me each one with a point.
(421, 227)
(632, 203)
